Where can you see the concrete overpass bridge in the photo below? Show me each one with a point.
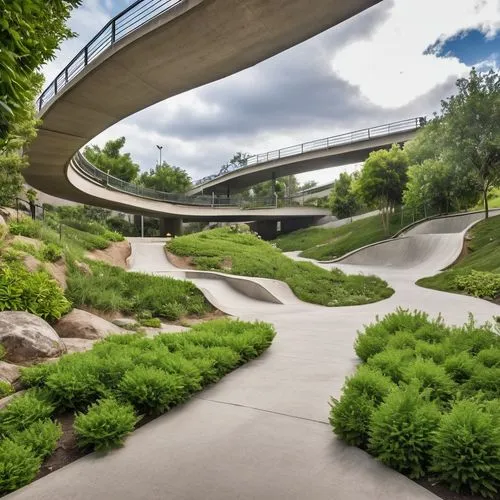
(338, 150)
(153, 50)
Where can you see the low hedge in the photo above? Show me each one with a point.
(425, 400)
(109, 387)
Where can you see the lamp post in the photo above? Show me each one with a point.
(159, 148)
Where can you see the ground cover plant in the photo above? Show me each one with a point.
(243, 253)
(426, 401)
(477, 273)
(114, 289)
(111, 387)
(329, 243)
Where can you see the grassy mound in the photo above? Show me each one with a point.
(329, 243)
(110, 387)
(478, 272)
(244, 254)
(425, 401)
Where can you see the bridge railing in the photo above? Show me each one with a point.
(133, 17)
(326, 143)
(85, 168)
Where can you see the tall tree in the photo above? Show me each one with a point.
(308, 185)
(470, 127)
(110, 159)
(166, 178)
(30, 33)
(342, 199)
(382, 180)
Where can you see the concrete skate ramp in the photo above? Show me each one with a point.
(407, 252)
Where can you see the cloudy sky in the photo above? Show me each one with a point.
(394, 61)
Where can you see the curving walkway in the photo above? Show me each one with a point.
(262, 432)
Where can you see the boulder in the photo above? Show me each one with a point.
(124, 322)
(27, 337)
(9, 372)
(84, 325)
(57, 270)
(79, 345)
(83, 268)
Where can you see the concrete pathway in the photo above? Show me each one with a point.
(262, 432)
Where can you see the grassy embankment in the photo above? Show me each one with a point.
(245, 254)
(478, 271)
(329, 243)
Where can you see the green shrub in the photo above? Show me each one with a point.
(391, 362)
(18, 466)
(435, 352)
(368, 344)
(479, 283)
(370, 383)
(151, 390)
(51, 252)
(402, 340)
(402, 431)
(36, 293)
(489, 357)
(430, 376)
(472, 338)
(150, 322)
(433, 333)
(40, 437)
(173, 311)
(23, 411)
(485, 380)
(26, 227)
(5, 388)
(105, 425)
(36, 375)
(460, 367)
(466, 455)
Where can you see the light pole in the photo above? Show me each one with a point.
(159, 148)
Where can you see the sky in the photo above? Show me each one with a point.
(394, 61)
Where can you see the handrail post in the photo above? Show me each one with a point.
(113, 32)
(86, 55)
(55, 87)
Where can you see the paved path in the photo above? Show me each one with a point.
(262, 432)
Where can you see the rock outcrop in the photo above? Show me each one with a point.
(84, 325)
(27, 337)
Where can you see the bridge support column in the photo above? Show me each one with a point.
(266, 229)
(171, 226)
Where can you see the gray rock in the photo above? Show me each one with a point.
(84, 325)
(9, 372)
(79, 345)
(123, 322)
(27, 337)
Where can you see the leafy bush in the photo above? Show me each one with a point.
(5, 388)
(18, 466)
(486, 380)
(368, 344)
(150, 322)
(436, 352)
(51, 252)
(460, 367)
(479, 283)
(392, 362)
(489, 357)
(151, 390)
(35, 292)
(472, 338)
(41, 437)
(105, 425)
(23, 411)
(402, 431)
(25, 227)
(466, 455)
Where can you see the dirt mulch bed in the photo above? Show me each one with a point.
(116, 254)
(180, 262)
(443, 492)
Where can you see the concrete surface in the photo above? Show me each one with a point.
(192, 44)
(262, 432)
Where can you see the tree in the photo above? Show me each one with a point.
(382, 180)
(110, 159)
(342, 199)
(166, 178)
(470, 127)
(30, 33)
(239, 160)
(308, 185)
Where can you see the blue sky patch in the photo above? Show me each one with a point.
(469, 47)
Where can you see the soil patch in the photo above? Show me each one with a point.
(116, 254)
(180, 262)
(444, 493)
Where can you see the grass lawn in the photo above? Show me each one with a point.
(480, 265)
(329, 243)
(244, 254)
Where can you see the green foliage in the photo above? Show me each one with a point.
(51, 252)
(25, 227)
(40, 437)
(489, 357)
(35, 292)
(110, 159)
(460, 367)
(392, 362)
(105, 425)
(402, 431)
(466, 455)
(23, 411)
(166, 178)
(5, 388)
(18, 466)
(479, 283)
(250, 256)
(113, 289)
(150, 322)
(342, 199)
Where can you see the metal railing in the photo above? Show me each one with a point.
(91, 172)
(133, 17)
(322, 144)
